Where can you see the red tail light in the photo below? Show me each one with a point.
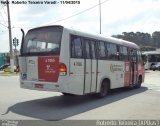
(62, 69)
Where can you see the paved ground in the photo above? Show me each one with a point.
(152, 80)
(18, 104)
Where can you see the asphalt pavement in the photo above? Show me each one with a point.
(24, 104)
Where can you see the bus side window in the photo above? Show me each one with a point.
(113, 50)
(134, 55)
(87, 49)
(124, 53)
(93, 50)
(108, 52)
(102, 52)
(76, 47)
(119, 54)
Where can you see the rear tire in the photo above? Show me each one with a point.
(104, 90)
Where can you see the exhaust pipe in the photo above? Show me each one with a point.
(23, 34)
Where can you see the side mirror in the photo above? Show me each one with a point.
(144, 60)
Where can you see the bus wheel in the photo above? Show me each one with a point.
(104, 89)
(138, 85)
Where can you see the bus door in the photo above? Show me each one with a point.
(133, 68)
(90, 66)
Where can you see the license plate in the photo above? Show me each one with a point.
(38, 85)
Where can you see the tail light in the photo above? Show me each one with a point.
(62, 69)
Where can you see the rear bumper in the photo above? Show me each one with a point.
(45, 86)
(50, 86)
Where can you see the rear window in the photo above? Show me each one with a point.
(43, 41)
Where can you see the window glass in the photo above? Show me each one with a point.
(123, 53)
(102, 53)
(76, 47)
(36, 41)
(87, 49)
(108, 51)
(93, 50)
(119, 54)
(113, 50)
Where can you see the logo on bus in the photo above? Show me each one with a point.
(51, 60)
(31, 62)
(115, 67)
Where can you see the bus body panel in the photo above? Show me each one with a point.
(32, 68)
(112, 70)
(22, 64)
(48, 68)
(76, 85)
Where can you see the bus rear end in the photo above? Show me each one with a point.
(40, 65)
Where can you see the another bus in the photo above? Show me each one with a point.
(151, 58)
(55, 58)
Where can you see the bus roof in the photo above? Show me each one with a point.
(103, 38)
(94, 36)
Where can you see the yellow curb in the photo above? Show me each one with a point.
(8, 73)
